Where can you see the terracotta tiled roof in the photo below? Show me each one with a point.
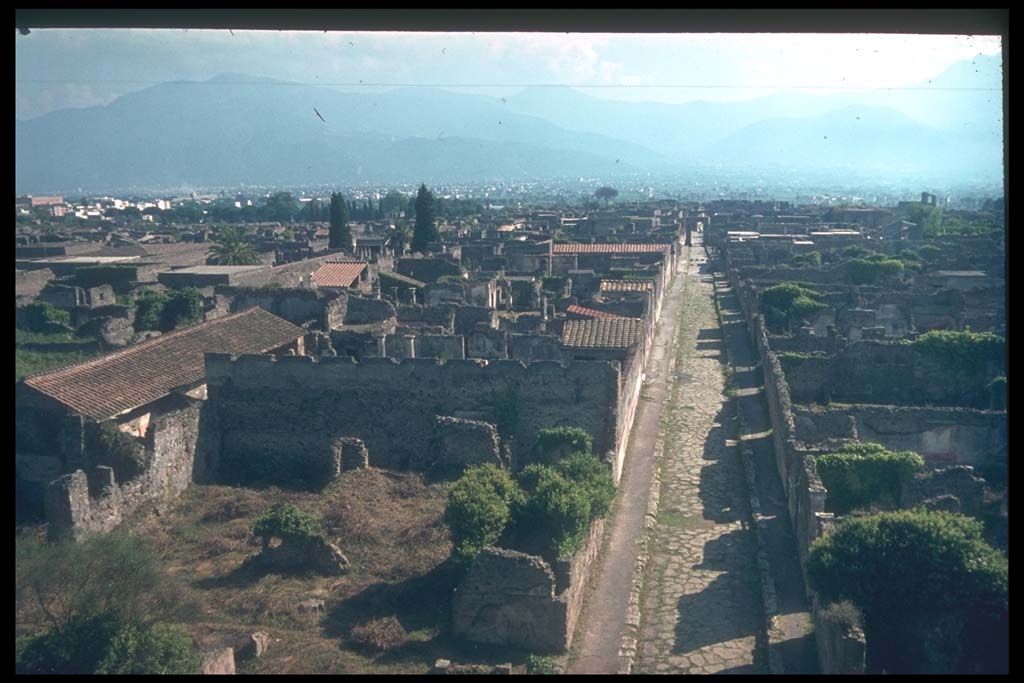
(338, 274)
(627, 285)
(564, 248)
(573, 309)
(126, 379)
(602, 333)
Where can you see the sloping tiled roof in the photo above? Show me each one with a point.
(602, 333)
(126, 379)
(590, 312)
(338, 274)
(564, 248)
(627, 285)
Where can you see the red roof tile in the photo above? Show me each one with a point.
(107, 386)
(573, 309)
(602, 333)
(338, 274)
(563, 248)
(627, 285)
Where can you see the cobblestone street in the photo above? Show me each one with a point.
(701, 606)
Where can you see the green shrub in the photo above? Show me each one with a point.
(285, 522)
(183, 307)
(810, 259)
(541, 666)
(556, 507)
(864, 473)
(912, 572)
(120, 451)
(149, 310)
(478, 508)
(556, 443)
(855, 252)
(594, 476)
(104, 644)
(870, 271)
(962, 355)
(40, 315)
(788, 301)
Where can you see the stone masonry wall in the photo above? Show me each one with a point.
(81, 501)
(513, 599)
(392, 406)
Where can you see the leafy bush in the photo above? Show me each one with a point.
(541, 666)
(962, 355)
(812, 259)
(120, 451)
(864, 473)
(555, 443)
(183, 307)
(285, 522)
(913, 572)
(478, 509)
(104, 644)
(380, 634)
(149, 310)
(113, 573)
(558, 507)
(594, 476)
(164, 312)
(788, 301)
(40, 315)
(870, 271)
(843, 613)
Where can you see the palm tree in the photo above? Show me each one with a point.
(232, 250)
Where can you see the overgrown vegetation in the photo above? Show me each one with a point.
(962, 356)
(537, 665)
(479, 508)
(788, 302)
(556, 443)
(875, 268)
(865, 473)
(550, 505)
(811, 260)
(287, 523)
(165, 312)
(99, 606)
(935, 596)
(42, 317)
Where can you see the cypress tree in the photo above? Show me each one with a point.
(340, 235)
(425, 230)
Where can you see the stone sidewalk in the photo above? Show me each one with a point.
(701, 607)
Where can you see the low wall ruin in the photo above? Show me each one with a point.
(514, 599)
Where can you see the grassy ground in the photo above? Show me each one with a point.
(391, 528)
(31, 361)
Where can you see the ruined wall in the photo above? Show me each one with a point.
(440, 346)
(943, 436)
(879, 373)
(534, 347)
(81, 501)
(460, 442)
(487, 343)
(29, 283)
(392, 406)
(362, 311)
(514, 599)
(297, 306)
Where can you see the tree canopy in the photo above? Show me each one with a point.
(933, 592)
(425, 230)
(340, 234)
(231, 249)
(606, 193)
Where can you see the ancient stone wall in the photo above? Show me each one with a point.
(514, 599)
(81, 501)
(943, 436)
(487, 343)
(460, 442)
(841, 647)
(534, 347)
(440, 346)
(392, 406)
(29, 283)
(362, 311)
(297, 306)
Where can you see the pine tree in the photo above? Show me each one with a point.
(425, 231)
(340, 236)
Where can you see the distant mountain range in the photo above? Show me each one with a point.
(237, 129)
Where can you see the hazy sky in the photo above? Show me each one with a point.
(79, 68)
